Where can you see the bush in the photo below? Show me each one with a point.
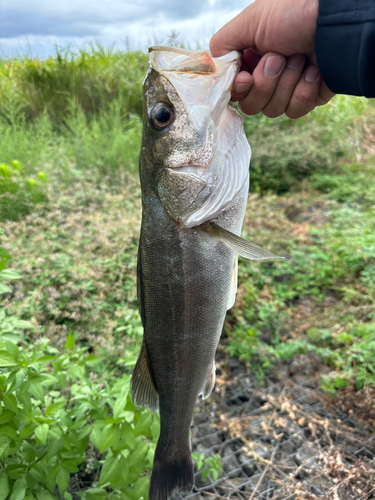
(64, 413)
(19, 194)
(284, 151)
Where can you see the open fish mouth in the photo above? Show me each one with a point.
(194, 170)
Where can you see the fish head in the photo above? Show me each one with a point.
(188, 128)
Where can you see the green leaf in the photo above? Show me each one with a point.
(95, 437)
(4, 445)
(54, 408)
(26, 431)
(96, 494)
(41, 432)
(4, 288)
(119, 406)
(4, 485)
(62, 479)
(7, 359)
(19, 489)
(142, 427)
(110, 435)
(36, 390)
(45, 495)
(69, 341)
(112, 469)
(9, 274)
(28, 452)
(85, 431)
(141, 486)
(10, 402)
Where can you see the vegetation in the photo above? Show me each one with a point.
(70, 131)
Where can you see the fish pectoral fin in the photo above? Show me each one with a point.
(143, 392)
(239, 245)
(209, 382)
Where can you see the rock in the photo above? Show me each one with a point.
(255, 426)
(209, 435)
(319, 485)
(287, 447)
(230, 465)
(306, 456)
(247, 463)
(287, 465)
(199, 418)
(254, 481)
(298, 438)
(305, 381)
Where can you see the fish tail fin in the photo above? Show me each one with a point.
(168, 475)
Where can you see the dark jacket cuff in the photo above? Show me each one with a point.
(345, 46)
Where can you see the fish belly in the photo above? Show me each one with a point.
(185, 281)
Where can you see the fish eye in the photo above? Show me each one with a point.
(161, 115)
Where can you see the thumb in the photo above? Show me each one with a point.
(238, 34)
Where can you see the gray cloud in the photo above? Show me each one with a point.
(81, 18)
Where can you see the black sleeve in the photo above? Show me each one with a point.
(345, 46)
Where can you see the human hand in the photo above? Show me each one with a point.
(279, 72)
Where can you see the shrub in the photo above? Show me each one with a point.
(66, 412)
(18, 193)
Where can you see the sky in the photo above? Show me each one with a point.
(35, 27)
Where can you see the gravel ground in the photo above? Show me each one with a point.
(281, 438)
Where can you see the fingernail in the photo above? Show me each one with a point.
(240, 88)
(274, 65)
(312, 73)
(295, 61)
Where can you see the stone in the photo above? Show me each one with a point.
(306, 456)
(199, 418)
(287, 447)
(209, 434)
(231, 466)
(253, 481)
(255, 426)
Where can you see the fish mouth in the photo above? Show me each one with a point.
(194, 170)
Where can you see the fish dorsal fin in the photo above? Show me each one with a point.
(239, 245)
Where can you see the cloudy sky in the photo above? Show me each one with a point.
(36, 26)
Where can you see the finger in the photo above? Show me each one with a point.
(305, 94)
(242, 84)
(325, 95)
(238, 34)
(285, 86)
(266, 76)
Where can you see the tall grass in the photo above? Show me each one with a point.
(91, 79)
(79, 112)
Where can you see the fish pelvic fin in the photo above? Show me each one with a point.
(143, 392)
(239, 245)
(168, 475)
(209, 382)
(233, 284)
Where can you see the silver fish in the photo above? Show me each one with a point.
(194, 172)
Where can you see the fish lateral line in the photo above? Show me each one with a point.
(239, 245)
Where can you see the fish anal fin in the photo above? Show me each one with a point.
(143, 390)
(233, 284)
(209, 382)
(239, 245)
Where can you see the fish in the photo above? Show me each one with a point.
(194, 175)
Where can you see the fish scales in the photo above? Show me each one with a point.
(194, 179)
